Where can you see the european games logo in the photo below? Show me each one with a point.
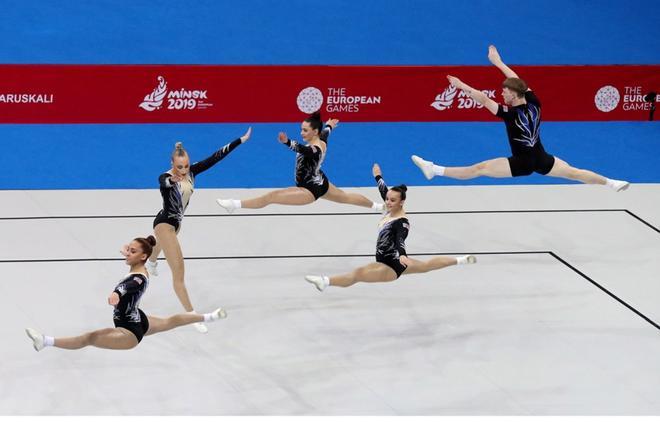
(607, 98)
(310, 100)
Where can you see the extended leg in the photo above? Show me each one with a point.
(337, 195)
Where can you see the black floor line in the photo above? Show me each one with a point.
(554, 255)
(612, 295)
(239, 214)
(193, 258)
(643, 221)
(300, 214)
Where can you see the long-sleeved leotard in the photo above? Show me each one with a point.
(391, 243)
(130, 290)
(176, 196)
(127, 313)
(523, 127)
(308, 165)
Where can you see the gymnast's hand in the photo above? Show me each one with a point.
(113, 299)
(405, 260)
(493, 55)
(375, 170)
(247, 135)
(282, 138)
(454, 81)
(333, 123)
(124, 250)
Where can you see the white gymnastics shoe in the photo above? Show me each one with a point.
(219, 314)
(227, 204)
(201, 327)
(425, 166)
(320, 281)
(466, 259)
(152, 267)
(37, 339)
(619, 185)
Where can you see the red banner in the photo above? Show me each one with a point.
(206, 94)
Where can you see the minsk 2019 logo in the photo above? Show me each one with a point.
(444, 101)
(181, 99)
(154, 100)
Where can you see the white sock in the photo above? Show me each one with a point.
(462, 260)
(326, 280)
(612, 182)
(376, 206)
(49, 341)
(211, 316)
(438, 170)
(236, 203)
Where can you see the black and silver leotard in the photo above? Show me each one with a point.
(127, 314)
(392, 234)
(176, 196)
(308, 165)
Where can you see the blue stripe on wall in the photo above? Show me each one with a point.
(132, 156)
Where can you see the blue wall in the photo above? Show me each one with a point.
(332, 32)
(329, 32)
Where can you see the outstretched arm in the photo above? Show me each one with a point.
(330, 125)
(475, 94)
(496, 60)
(307, 150)
(378, 175)
(209, 162)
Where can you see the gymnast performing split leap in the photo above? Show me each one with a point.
(522, 116)
(311, 182)
(131, 324)
(176, 187)
(391, 258)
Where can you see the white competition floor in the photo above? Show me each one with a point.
(560, 316)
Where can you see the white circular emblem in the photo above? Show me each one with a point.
(607, 98)
(310, 100)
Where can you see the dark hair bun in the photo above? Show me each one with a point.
(315, 121)
(402, 190)
(151, 240)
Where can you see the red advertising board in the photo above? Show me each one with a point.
(200, 94)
